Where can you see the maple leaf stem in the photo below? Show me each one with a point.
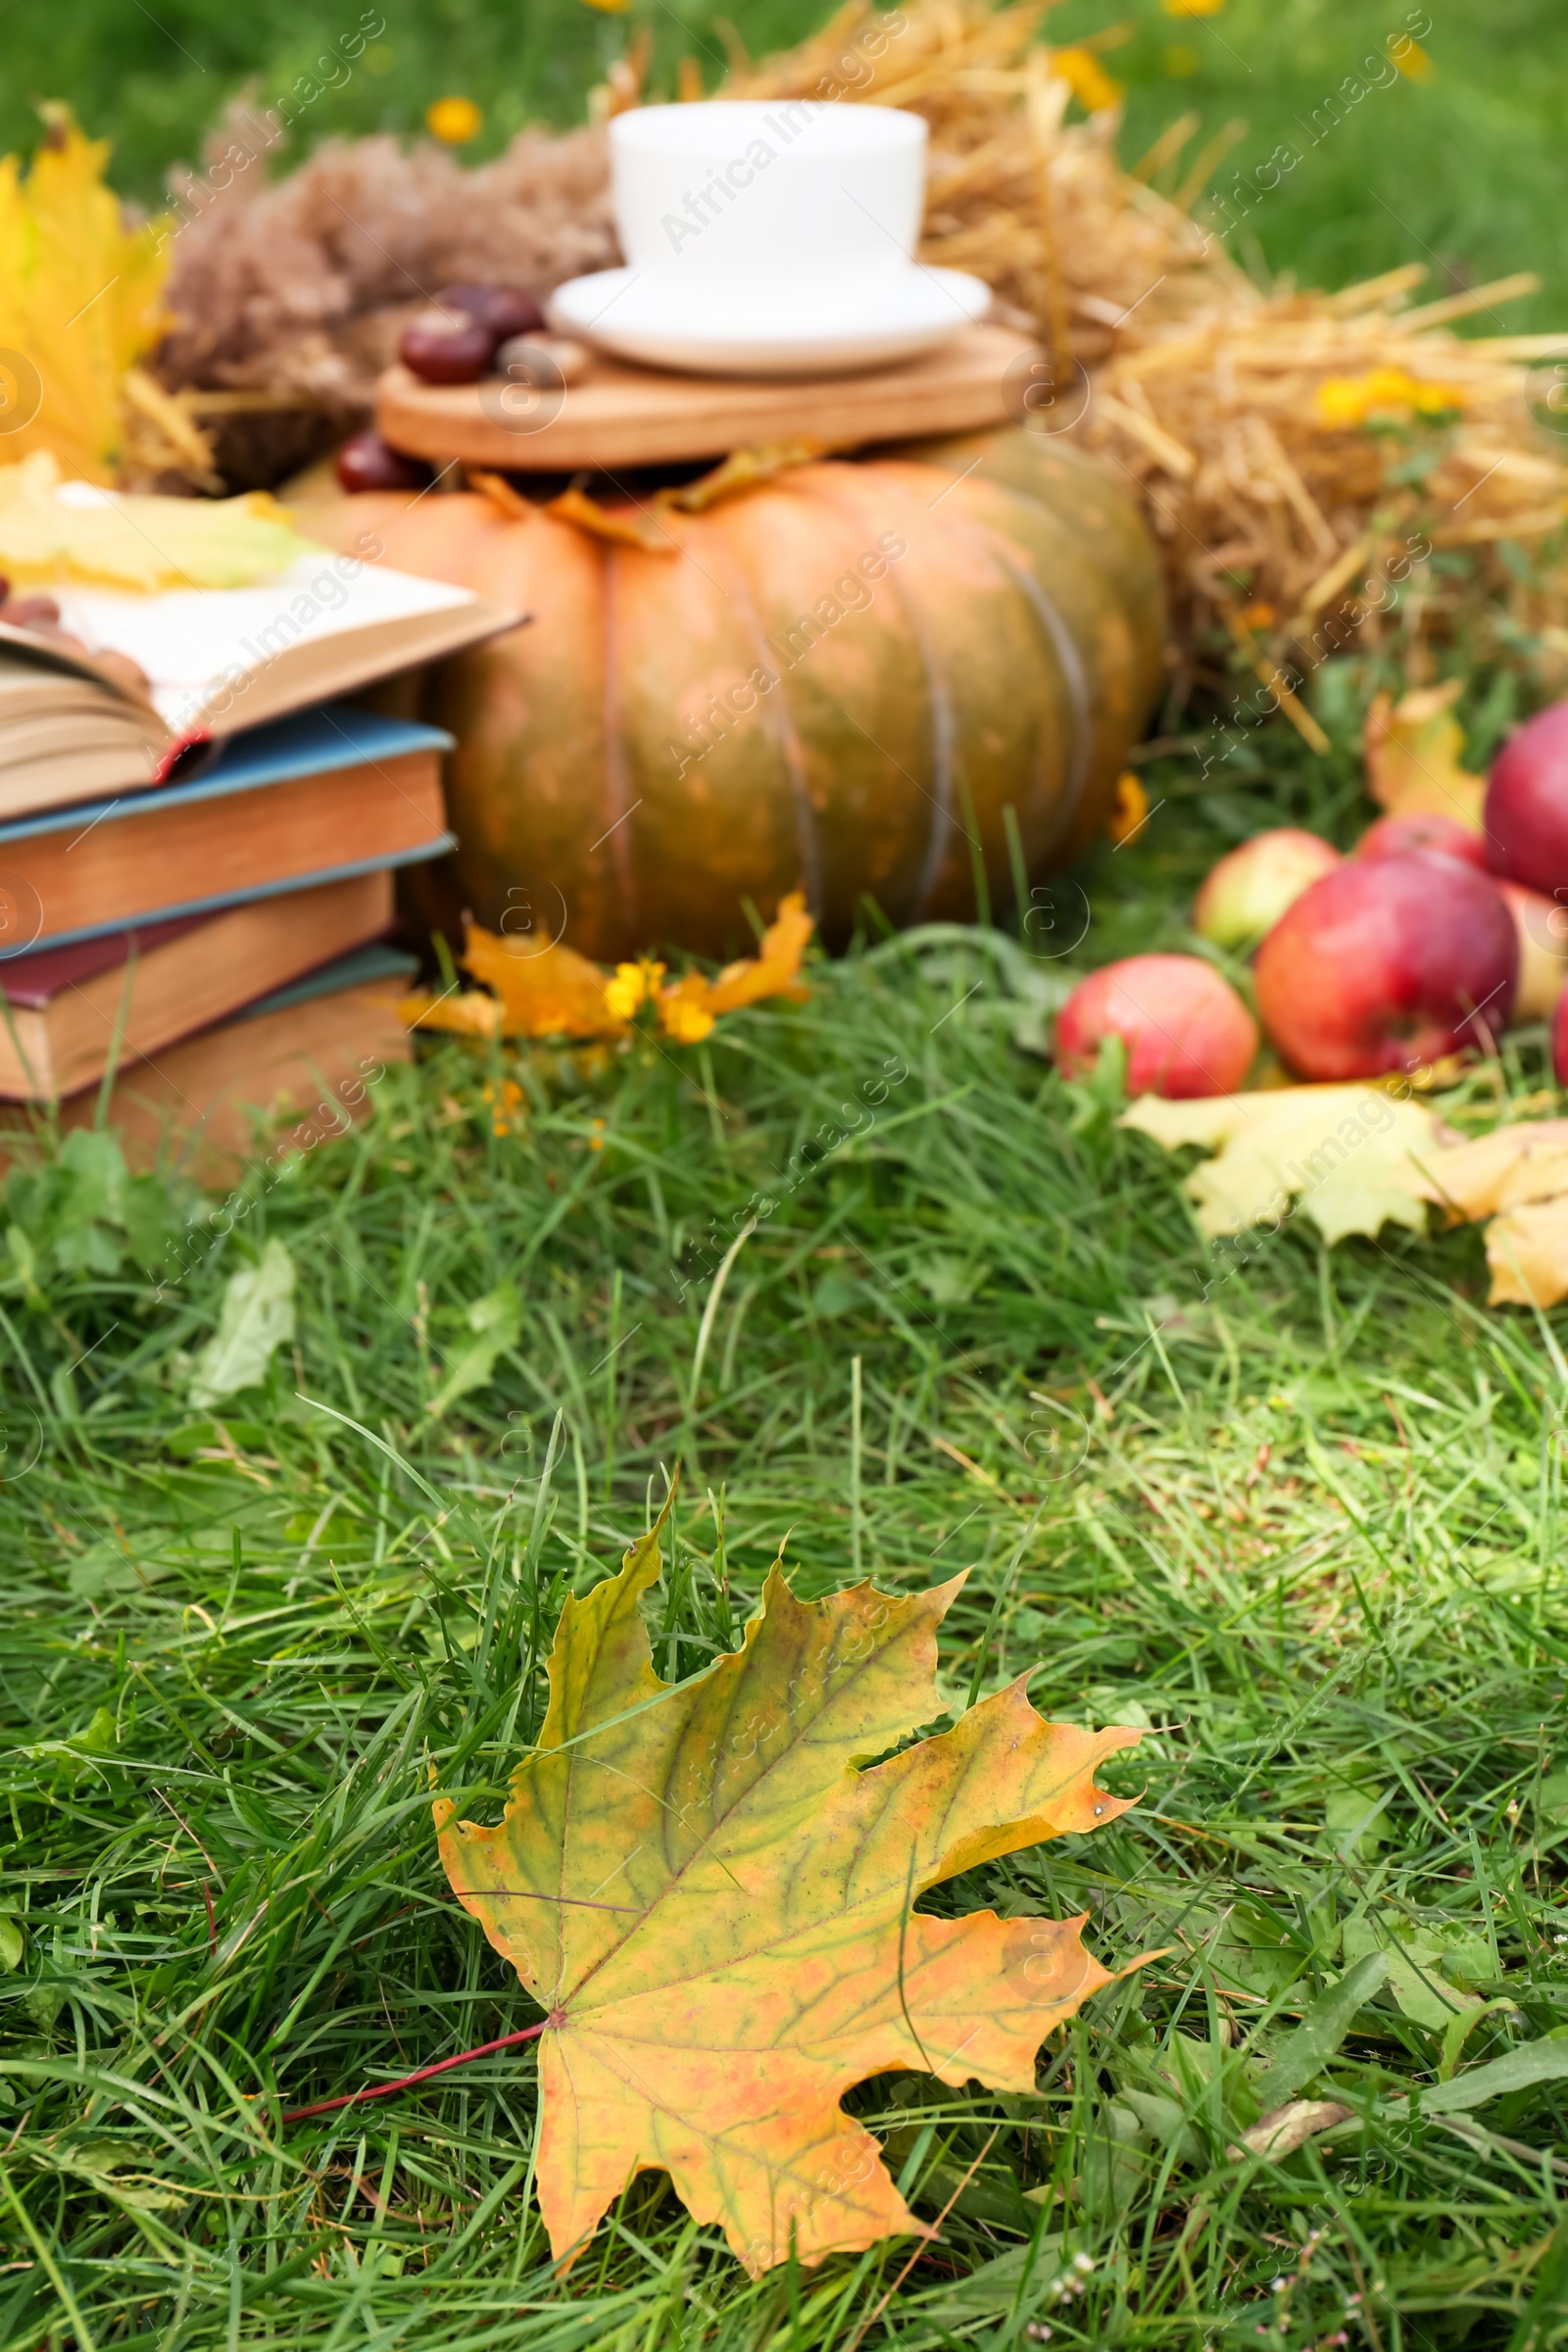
(421, 2074)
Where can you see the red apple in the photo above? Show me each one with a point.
(1186, 1030)
(1526, 814)
(1387, 963)
(1542, 928)
(1408, 836)
(1250, 889)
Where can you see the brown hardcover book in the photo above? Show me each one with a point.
(312, 800)
(66, 1013)
(280, 1079)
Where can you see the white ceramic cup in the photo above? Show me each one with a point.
(788, 198)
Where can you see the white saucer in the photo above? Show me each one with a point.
(896, 318)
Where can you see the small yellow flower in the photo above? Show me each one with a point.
(596, 1135)
(685, 1020)
(1344, 401)
(1260, 615)
(633, 985)
(1193, 8)
(1128, 809)
(1086, 78)
(1410, 59)
(454, 121)
(506, 1106)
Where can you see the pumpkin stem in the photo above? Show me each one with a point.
(744, 469)
(641, 528)
(499, 491)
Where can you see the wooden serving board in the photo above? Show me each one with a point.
(619, 415)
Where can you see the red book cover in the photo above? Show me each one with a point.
(32, 981)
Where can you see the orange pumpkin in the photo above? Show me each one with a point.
(841, 679)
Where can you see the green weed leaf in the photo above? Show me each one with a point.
(255, 1320)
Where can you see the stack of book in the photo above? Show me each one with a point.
(197, 868)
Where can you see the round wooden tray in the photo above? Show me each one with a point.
(618, 415)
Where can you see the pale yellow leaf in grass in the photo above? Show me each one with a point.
(1527, 1251)
(1413, 758)
(1351, 1157)
(1290, 2127)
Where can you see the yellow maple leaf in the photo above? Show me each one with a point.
(712, 1901)
(544, 992)
(689, 1007)
(80, 301)
(465, 1012)
(1412, 750)
(1526, 1161)
(1352, 1158)
(1527, 1253)
(553, 991)
(1517, 1176)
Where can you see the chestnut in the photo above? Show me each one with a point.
(506, 309)
(368, 463)
(447, 347)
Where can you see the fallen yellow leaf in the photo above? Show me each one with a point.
(465, 1012)
(544, 992)
(713, 1900)
(1412, 754)
(1291, 2126)
(1526, 1161)
(774, 970)
(1354, 1158)
(1351, 1157)
(553, 991)
(1527, 1251)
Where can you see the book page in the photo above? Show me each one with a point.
(197, 645)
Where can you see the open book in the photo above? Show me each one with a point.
(216, 660)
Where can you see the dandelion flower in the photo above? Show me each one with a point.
(454, 121)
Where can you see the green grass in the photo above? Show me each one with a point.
(1464, 172)
(1306, 1529)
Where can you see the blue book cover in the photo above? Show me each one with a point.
(310, 743)
(377, 961)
